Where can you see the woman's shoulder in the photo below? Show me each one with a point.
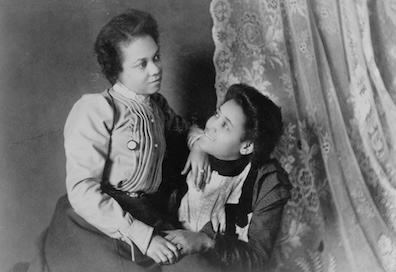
(94, 100)
(94, 104)
(272, 185)
(272, 175)
(160, 100)
(93, 107)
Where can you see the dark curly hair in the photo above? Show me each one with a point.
(263, 125)
(122, 29)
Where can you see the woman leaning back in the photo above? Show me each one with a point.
(115, 143)
(233, 222)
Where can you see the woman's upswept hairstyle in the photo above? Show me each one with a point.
(263, 125)
(121, 30)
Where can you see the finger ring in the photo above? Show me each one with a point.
(202, 171)
(179, 246)
(168, 254)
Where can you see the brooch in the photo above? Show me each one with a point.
(132, 144)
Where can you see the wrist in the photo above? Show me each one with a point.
(196, 147)
(194, 135)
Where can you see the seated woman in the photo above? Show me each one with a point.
(238, 213)
(115, 144)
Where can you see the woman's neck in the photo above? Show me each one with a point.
(229, 168)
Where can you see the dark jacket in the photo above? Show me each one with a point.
(264, 194)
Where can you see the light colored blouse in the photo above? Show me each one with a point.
(208, 205)
(94, 133)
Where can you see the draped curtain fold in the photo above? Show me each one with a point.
(330, 65)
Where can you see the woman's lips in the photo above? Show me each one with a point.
(157, 80)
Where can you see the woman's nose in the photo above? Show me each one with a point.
(155, 68)
(211, 124)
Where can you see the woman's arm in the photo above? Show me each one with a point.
(87, 136)
(181, 156)
(254, 254)
(263, 229)
(176, 133)
(229, 252)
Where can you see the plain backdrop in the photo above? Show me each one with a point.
(47, 63)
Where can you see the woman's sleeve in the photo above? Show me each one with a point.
(174, 123)
(263, 230)
(176, 133)
(87, 137)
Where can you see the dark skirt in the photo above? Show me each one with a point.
(72, 244)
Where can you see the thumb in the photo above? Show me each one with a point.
(170, 237)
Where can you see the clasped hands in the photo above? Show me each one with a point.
(176, 243)
(169, 249)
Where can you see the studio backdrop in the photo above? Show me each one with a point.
(330, 65)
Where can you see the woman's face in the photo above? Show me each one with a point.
(224, 131)
(141, 64)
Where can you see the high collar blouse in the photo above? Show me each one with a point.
(97, 132)
(197, 208)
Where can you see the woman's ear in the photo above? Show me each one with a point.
(247, 148)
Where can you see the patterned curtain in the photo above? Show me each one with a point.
(330, 65)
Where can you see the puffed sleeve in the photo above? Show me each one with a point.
(173, 122)
(87, 134)
(264, 226)
(176, 133)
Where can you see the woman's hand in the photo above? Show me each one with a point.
(162, 251)
(190, 242)
(198, 161)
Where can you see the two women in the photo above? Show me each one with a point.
(115, 142)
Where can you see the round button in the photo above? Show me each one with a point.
(132, 145)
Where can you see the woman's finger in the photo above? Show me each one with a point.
(173, 233)
(202, 181)
(174, 250)
(200, 178)
(170, 237)
(208, 174)
(195, 175)
(187, 166)
(157, 258)
(166, 256)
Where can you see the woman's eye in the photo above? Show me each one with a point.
(142, 64)
(225, 125)
(157, 57)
